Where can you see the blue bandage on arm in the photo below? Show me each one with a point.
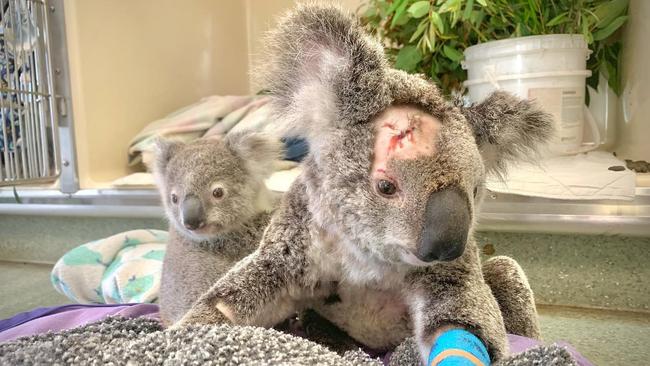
(458, 347)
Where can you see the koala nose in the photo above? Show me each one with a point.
(446, 225)
(192, 212)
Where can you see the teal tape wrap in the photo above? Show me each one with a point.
(461, 340)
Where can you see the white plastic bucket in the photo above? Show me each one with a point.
(550, 69)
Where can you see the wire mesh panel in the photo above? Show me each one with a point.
(28, 139)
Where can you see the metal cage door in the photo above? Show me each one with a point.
(30, 107)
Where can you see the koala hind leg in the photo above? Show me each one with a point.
(510, 287)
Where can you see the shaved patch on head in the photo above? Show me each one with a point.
(403, 133)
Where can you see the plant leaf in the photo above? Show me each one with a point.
(608, 11)
(431, 37)
(592, 81)
(403, 19)
(611, 28)
(419, 9)
(437, 21)
(468, 9)
(16, 196)
(420, 29)
(398, 13)
(612, 77)
(408, 58)
(450, 6)
(452, 53)
(562, 18)
(477, 17)
(437, 39)
(394, 6)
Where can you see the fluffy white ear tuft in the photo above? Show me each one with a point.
(322, 71)
(508, 128)
(164, 151)
(260, 151)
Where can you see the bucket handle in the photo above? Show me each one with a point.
(490, 75)
(465, 66)
(491, 78)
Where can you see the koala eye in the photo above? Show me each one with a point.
(386, 187)
(217, 192)
(174, 198)
(475, 191)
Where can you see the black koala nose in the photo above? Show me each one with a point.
(192, 213)
(193, 225)
(446, 225)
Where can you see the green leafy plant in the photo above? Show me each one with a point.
(429, 37)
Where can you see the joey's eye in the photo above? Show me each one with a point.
(386, 187)
(217, 192)
(475, 191)
(174, 198)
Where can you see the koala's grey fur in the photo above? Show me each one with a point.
(234, 223)
(333, 233)
(500, 136)
(510, 287)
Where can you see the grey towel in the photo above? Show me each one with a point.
(141, 341)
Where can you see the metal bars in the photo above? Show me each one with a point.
(28, 143)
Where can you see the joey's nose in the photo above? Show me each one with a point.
(192, 213)
(446, 225)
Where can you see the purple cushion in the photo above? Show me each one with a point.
(57, 318)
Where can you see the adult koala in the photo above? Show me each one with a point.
(383, 212)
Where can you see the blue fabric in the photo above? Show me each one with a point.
(296, 148)
(462, 340)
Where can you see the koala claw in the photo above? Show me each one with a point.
(202, 315)
(225, 311)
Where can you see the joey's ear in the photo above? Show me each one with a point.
(259, 150)
(164, 150)
(508, 128)
(323, 71)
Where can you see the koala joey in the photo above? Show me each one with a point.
(384, 210)
(217, 206)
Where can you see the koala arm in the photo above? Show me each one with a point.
(259, 289)
(454, 295)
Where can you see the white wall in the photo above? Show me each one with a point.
(633, 140)
(133, 61)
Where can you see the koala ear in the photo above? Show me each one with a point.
(508, 128)
(260, 151)
(322, 71)
(164, 150)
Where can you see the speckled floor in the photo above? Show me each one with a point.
(593, 271)
(604, 337)
(569, 270)
(47, 238)
(25, 287)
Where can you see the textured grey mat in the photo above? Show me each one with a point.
(141, 341)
